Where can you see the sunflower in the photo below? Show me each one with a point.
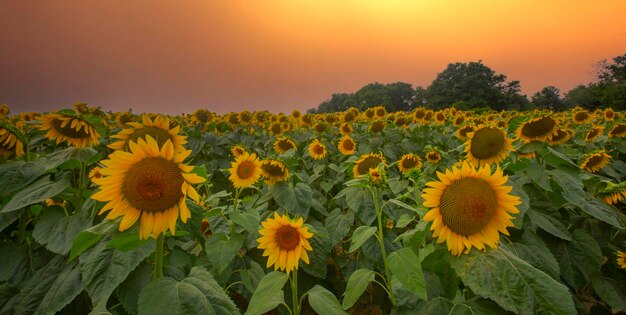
(433, 156)
(377, 126)
(284, 144)
(527, 155)
(147, 183)
(581, 116)
(123, 118)
(419, 114)
(345, 129)
(595, 161)
(594, 133)
(81, 108)
(561, 136)
(408, 162)
(377, 176)
(618, 131)
(245, 170)
(349, 116)
(274, 171)
(10, 142)
(487, 145)
(296, 114)
(462, 133)
(245, 117)
(95, 173)
(201, 116)
(237, 150)
(469, 206)
(317, 150)
(609, 114)
(4, 110)
(537, 129)
(613, 193)
(440, 118)
(285, 242)
(621, 259)
(366, 162)
(346, 146)
(459, 120)
(158, 128)
(320, 127)
(77, 132)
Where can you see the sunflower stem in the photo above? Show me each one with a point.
(81, 185)
(381, 240)
(235, 206)
(294, 293)
(21, 236)
(158, 264)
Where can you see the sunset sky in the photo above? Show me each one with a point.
(177, 56)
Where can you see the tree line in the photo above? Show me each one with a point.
(474, 85)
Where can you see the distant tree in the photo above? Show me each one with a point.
(419, 97)
(608, 91)
(550, 98)
(475, 84)
(396, 96)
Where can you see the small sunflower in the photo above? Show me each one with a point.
(561, 136)
(274, 171)
(296, 114)
(537, 129)
(621, 259)
(245, 117)
(594, 133)
(463, 132)
(469, 207)
(433, 156)
(459, 120)
(609, 114)
(149, 184)
(349, 116)
(95, 173)
(245, 170)
(346, 145)
(317, 150)
(285, 242)
(366, 162)
(345, 129)
(408, 162)
(595, 162)
(377, 176)
(284, 144)
(581, 116)
(4, 110)
(237, 150)
(158, 128)
(10, 142)
(380, 111)
(440, 118)
(618, 131)
(377, 126)
(201, 116)
(487, 145)
(75, 131)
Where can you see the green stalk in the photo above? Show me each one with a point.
(81, 185)
(235, 206)
(381, 240)
(294, 293)
(21, 236)
(158, 264)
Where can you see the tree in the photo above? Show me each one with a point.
(608, 91)
(549, 97)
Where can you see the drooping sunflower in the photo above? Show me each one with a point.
(595, 161)
(158, 128)
(487, 145)
(463, 132)
(73, 130)
(345, 129)
(366, 162)
(377, 126)
(285, 242)
(408, 162)
(527, 155)
(537, 129)
(561, 136)
(594, 133)
(433, 156)
(237, 150)
(581, 116)
(10, 142)
(469, 207)
(148, 183)
(613, 193)
(284, 144)
(618, 131)
(621, 259)
(245, 170)
(346, 145)
(317, 150)
(274, 171)
(201, 116)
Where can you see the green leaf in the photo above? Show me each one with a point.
(126, 241)
(360, 201)
(103, 268)
(324, 301)
(15, 263)
(539, 175)
(87, 238)
(128, 291)
(33, 290)
(549, 224)
(405, 206)
(579, 259)
(57, 231)
(18, 174)
(609, 290)
(36, 192)
(222, 250)
(251, 277)
(57, 158)
(321, 244)
(360, 235)
(168, 296)
(6, 219)
(357, 283)
(268, 294)
(534, 251)
(397, 185)
(296, 200)
(219, 301)
(513, 283)
(338, 224)
(63, 290)
(250, 220)
(601, 211)
(406, 267)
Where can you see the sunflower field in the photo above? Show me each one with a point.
(357, 212)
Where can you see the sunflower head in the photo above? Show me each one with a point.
(537, 129)
(285, 242)
(159, 128)
(317, 150)
(237, 150)
(561, 136)
(581, 116)
(433, 156)
(618, 131)
(366, 162)
(73, 130)
(81, 108)
(284, 144)
(346, 145)
(609, 114)
(201, 116)
(349, 116)
(320, 127)
(11, 142)
(487, 145)
(409, 162)
(440, 118)
(4, 110)
(377, 176)
(245, 117)
(245, 170)
(594, 133)
(95, 173)
(595, 161)
(296, 114)
(274, 171)
(148, 183)
(459, 120)
(612, 193)
(621, 259)
(469, 207)
(463, 132)
(345, 129)
(377, 126)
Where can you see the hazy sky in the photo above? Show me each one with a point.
(177, 56)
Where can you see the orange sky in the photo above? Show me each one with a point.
(177, 56)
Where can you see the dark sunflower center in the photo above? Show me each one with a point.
(348, 145)
(276, 128)
(593, 133)
(273, 169)
(581, 116)
(377, 126)
(153, 185)
(285, 145)
(440, 117)
(287, 238)
(318, 149)
(369, 162)
(245, 169)
(161, 136)
(468, 205)
(539, 128)
(487, 143)
(433, 156)
(68, 131)
(465, 130)
(126, 118)
(239, 151)
(202, 116)
(619, 129)
(380, 112)
(560, 135)
(348, 117)
(594, 161)
(409, 162)
(419, 114)
(320, 127)
(245, 117)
